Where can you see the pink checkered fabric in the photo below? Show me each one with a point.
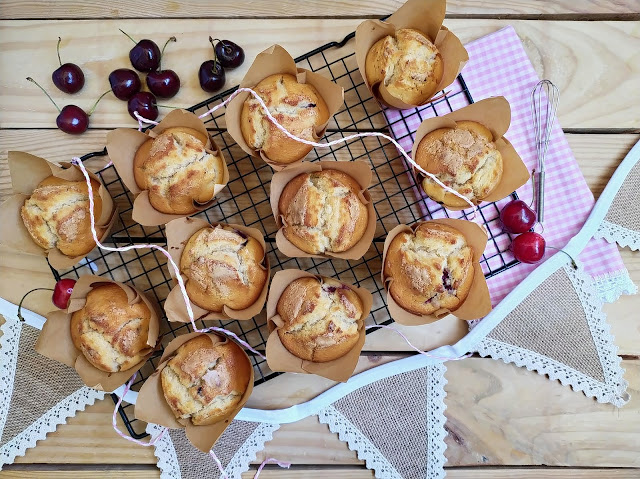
(499, 66)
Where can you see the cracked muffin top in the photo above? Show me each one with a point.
(204, 382)
(323, 212)
(223, 266)
(463, 158)
(111, 333)
(296, 106)
(56, 215)
(322, 319)
(177, 170)
(429, 269)
(408, 64)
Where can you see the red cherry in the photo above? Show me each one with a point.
(528, 247)
(62, 292)
(517, 217)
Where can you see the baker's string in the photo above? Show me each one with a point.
(315, 144)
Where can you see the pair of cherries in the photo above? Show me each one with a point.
(518, 218)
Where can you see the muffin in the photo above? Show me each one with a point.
(407, 63)
(177, 170)
(430, 269)
(56, 215)
(322, 212)
(204, 382)
(296, 106)
(223, 266)
(464, 158)
(111, 333)
(322, 319)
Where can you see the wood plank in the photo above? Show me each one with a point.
(306, 8)
(493, 415)
(500, 414)
(19, 472)
(566, 52)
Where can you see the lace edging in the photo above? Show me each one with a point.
(436, 432)
(249, 450)
(613, 390)
(614, 233)
(48, 422)
(358, 442)
(165, 452)
(611, 286)
(9, 344)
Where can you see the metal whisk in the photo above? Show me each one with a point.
(544, 104)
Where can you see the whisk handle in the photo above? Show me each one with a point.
(540, 195)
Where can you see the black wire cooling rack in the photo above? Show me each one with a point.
(245, 200)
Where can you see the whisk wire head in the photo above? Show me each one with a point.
(544, 105)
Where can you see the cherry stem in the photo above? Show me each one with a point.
(96, 103)
(533, 186)
(215, 57)
(58, 50)
(573, 263)
(129, 36)
(28, 293)
(168, 106)
(171, 39)
(45, 92)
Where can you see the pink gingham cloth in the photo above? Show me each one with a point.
(499, 66)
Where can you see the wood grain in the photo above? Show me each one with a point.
(17, 472)
(306, 8)
(570, 53)
(491, 419)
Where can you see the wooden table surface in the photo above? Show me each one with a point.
(503, 421)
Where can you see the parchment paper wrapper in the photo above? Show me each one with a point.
(27, 171)
(122, 145)
(359, 171)
(476, 305)
(151, 405)
(495, 114)
(280, 359)
(426, 16)
(272, 61)
(178, 233)
(55, 340)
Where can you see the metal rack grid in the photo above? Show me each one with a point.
(245, 200)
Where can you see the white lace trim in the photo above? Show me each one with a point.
(436, 432)
(9, 343)
(168, 459)
(165, 452)
(611, 286)
(48, 422)
(358, 442)
(614, 386)
(249, 450)
(614, 233)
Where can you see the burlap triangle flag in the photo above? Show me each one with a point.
(396, 424)
(36, 393)
(236, 448)
(621, 223)
(559, 330)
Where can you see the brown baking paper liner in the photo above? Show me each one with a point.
(151, 405)
(55, 340)
(495, 114)
(426, 16)
(178, 233)
(476, 305)
(280, 359)
(272, 61)
(122, 145)
(359, 171)
(27, 171)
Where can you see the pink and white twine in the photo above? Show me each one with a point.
(76, 161)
